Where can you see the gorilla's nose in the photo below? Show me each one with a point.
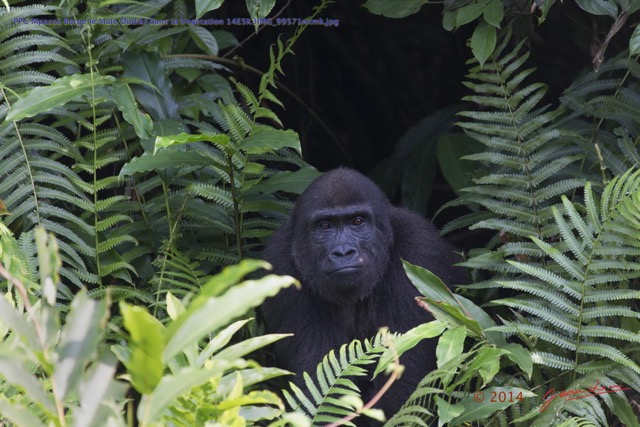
(344, 252)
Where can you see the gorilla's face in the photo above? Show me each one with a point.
(341, 236)
(345, 253)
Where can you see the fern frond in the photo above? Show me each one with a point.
(321, 401)
(530, 163)
(581, 280)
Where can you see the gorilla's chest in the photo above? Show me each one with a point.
(355, 320)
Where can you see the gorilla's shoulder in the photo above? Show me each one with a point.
(418, 241)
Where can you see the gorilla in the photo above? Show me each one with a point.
(344, 242)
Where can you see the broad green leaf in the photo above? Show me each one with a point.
(599, 7)
(94, 390)
(476, 409)
(394, 8)
(18, 415)
(221, 339)
(623, 411)
(449, 20)
(469, 12)
(259, 9)
(288, 181)
(147, 344)
(204, 39)
(258, 397)
(155, 97)
(407, 341)
(65, 89)
(250, 377)
(10, 318)
(450, 344)
(186, 138)
(451, 148)
(483, 41)
(174, 306)
(520, 356)
(229, 276)
(443, 304)
(250, 345)
(162, 160)
(170, 388)
(486, 363)
(78, 340)
(214, 313)
(204, 6)
(447, 410)
(141, 122)
(634, 42)
(49, 263)
(264, 140)
(494, 12)
(13, 372)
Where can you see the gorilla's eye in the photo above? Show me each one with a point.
(357, 221)
(325, 225)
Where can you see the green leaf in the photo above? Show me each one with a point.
(170, 388)
(78, 340)
(94, 390)
(483, 41)
(259, 9)
(174, 306)
(264, 140)
(494, 12)
(13, 371)
(451, 148)
(469, 13)
(217, 312)
(18, 415)
(394, 8)
(62, 90)
(447, 410)
(164, 159)
(140, 121)
(10, 317)
(634, 42)
(146, 340)
(474, 409)
(204, 6)
(288, 181)
(441, 302)
(623, 411)
(450, 344)
(599, 7)
(520, 356)
(407, 341)
(486, 363)
(156, 96)
(204, 39)
(186, 138)
(245, 347)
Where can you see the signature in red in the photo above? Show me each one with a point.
(579, 393)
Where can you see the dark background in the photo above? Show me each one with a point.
(372, 78)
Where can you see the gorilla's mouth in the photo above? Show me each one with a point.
(347, 269)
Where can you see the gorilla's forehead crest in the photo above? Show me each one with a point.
(342, 187)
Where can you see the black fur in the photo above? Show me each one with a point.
(370, 288)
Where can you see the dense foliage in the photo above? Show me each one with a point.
(137, 179)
